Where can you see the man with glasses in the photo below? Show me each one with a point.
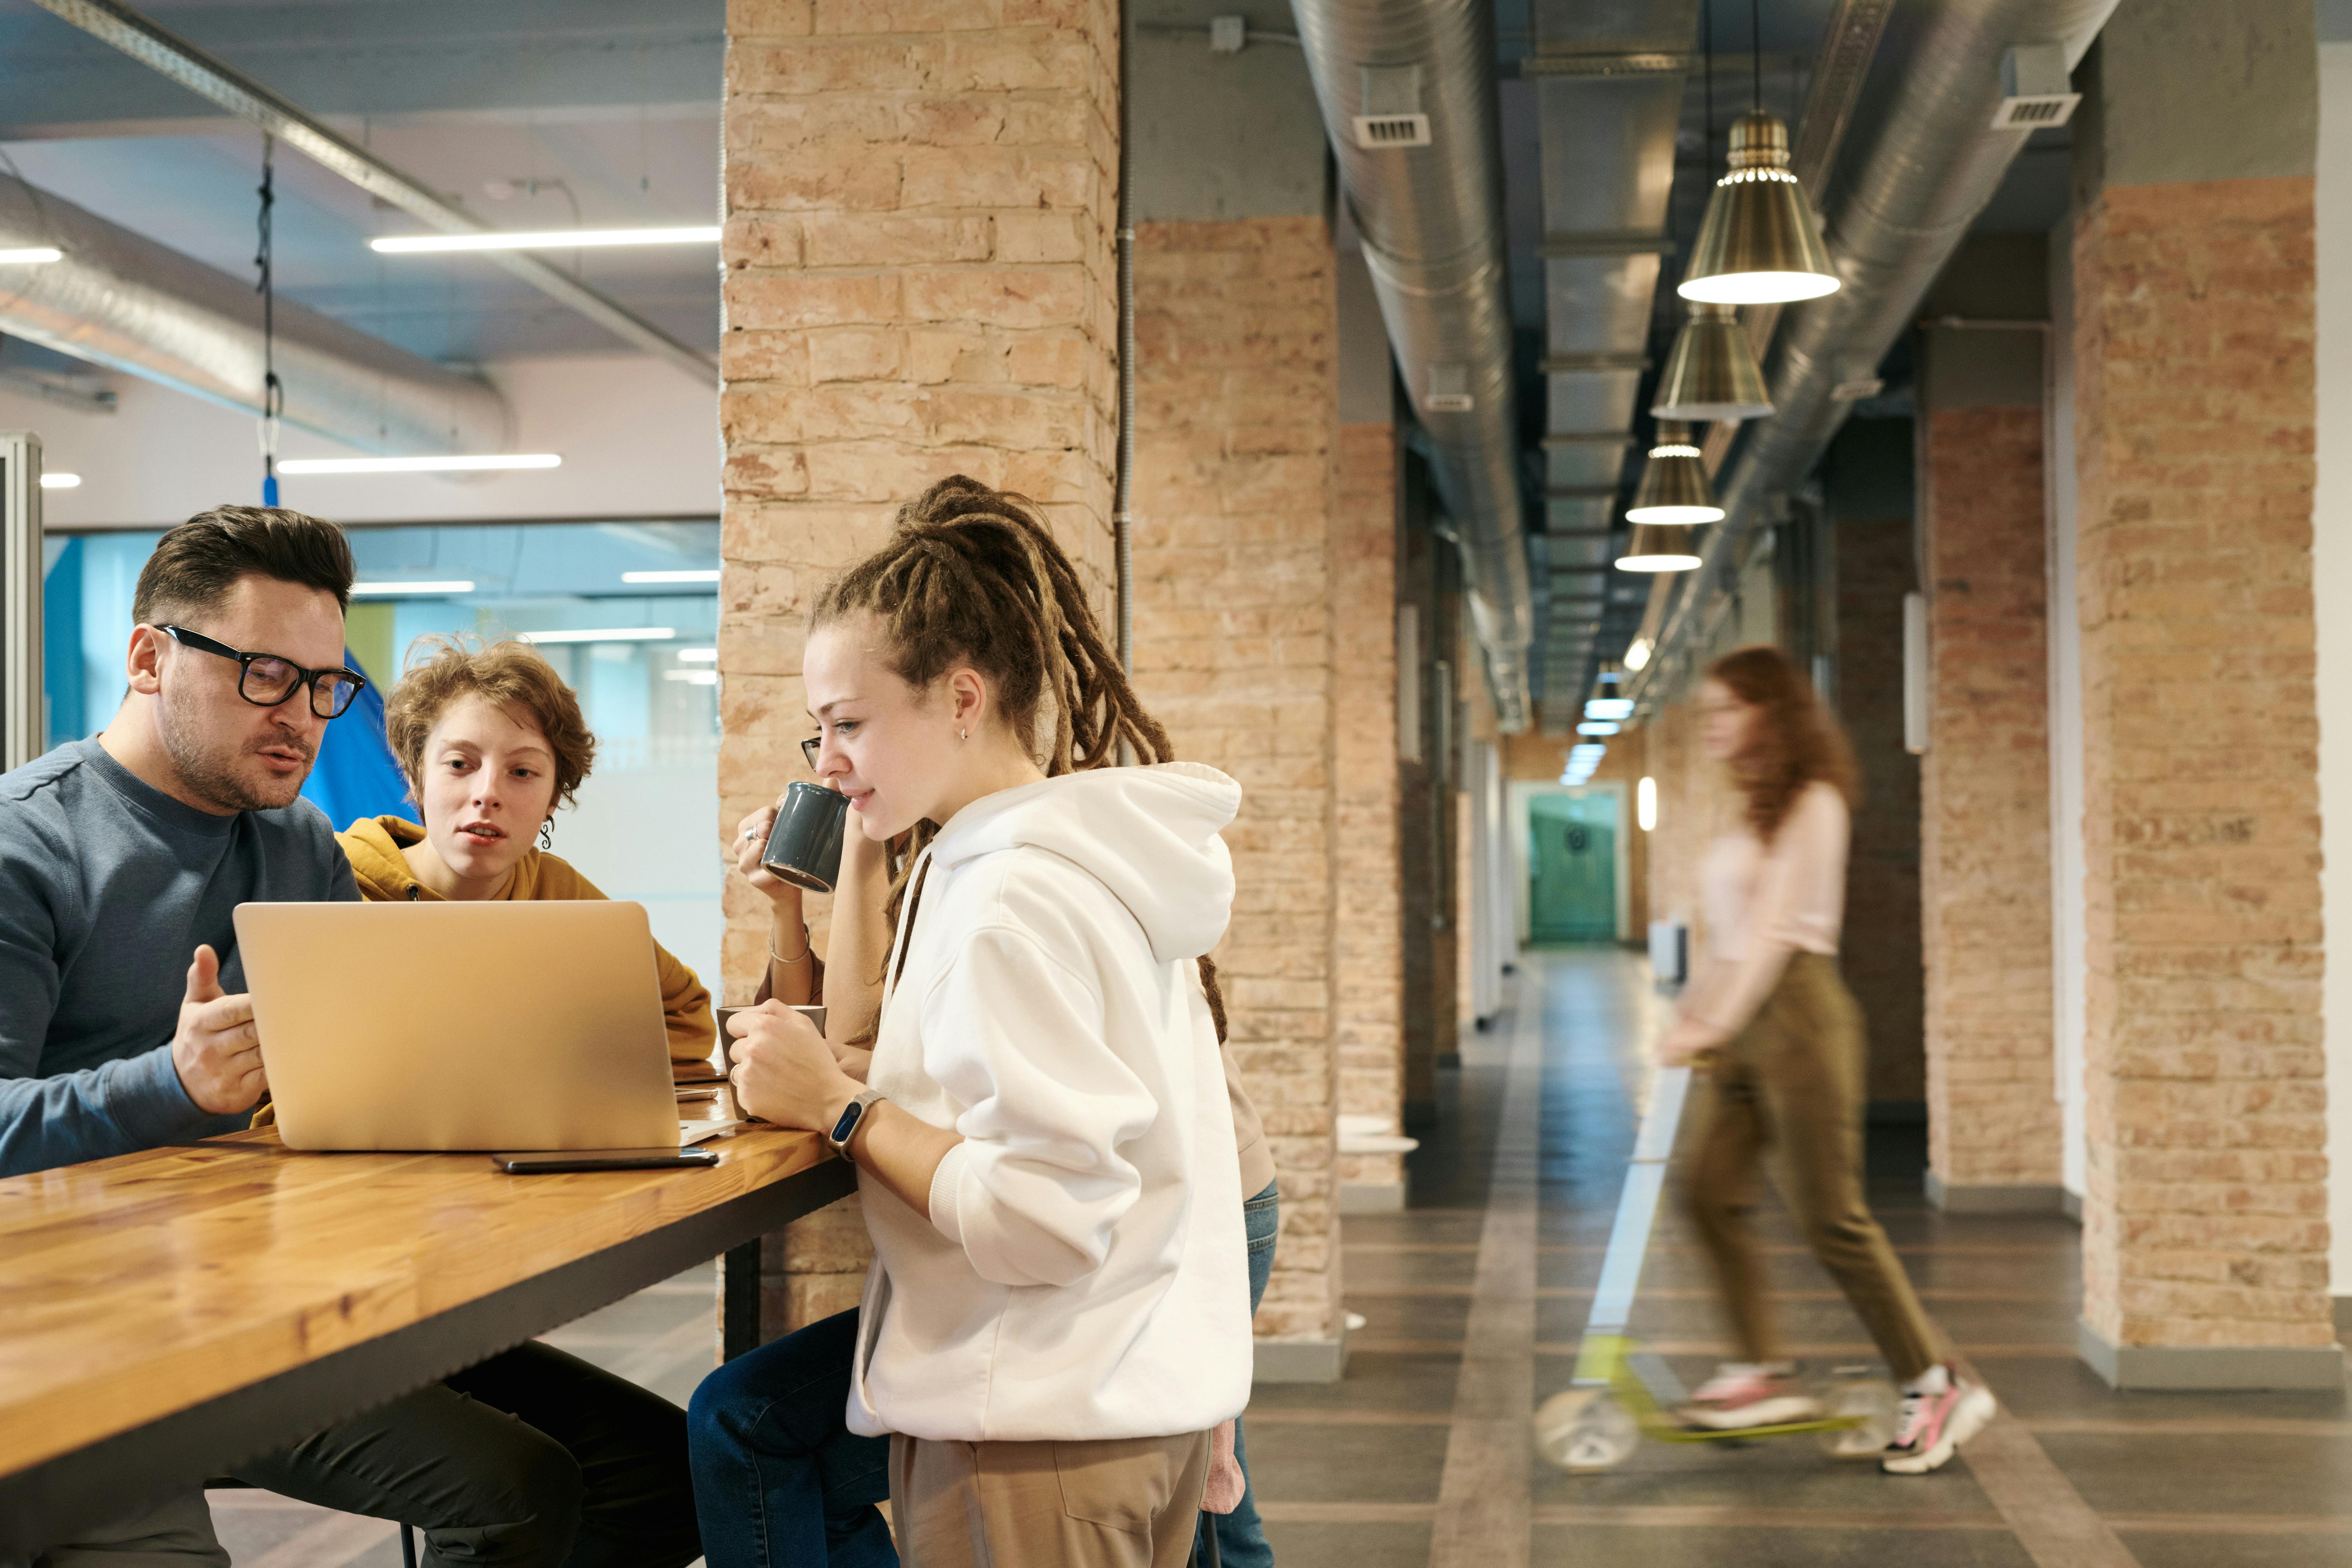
(122, 1021)
(121, 858)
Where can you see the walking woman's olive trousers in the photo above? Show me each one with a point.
(1793, 1083)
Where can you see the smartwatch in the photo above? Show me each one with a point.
(852, 1116)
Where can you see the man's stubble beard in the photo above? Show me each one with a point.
(209, 771)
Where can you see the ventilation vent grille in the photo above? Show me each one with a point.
(1449, 390)
(1376, 132)
(2035, 114)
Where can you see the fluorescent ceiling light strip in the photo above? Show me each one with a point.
(710, 576)
(608, 634)
(451, 463)
(61, 481)
(697, 656)
(32, 255)
(545, 239)
(692, 676)
(390, 590)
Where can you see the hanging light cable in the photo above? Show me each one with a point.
(1758, 244)
(273, 391)
(1712, 374)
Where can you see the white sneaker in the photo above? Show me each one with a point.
(1932, 1427)
(1743, 1394)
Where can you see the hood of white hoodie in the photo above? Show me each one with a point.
(1148, 834)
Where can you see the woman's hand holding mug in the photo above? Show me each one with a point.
(783, 1071)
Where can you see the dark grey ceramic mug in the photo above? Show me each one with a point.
(804, 846)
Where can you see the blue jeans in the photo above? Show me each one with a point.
(780, 1482)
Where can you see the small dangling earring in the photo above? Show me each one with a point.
(547, 834)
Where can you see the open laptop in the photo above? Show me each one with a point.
(525, 1026)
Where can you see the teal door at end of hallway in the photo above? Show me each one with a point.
(1572, 867)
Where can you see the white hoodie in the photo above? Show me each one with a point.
(1082, 1273)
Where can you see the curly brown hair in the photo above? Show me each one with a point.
(972, 576)
(513, 675)
(1794, 742)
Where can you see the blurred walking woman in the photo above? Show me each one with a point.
(1784, 1058)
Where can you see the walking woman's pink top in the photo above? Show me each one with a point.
(1765, 903)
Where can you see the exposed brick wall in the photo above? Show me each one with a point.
(1984, 836)
(1879, 949)
(1368, 983)
(1237, 467)
(2205, 1217)
(920, 199)
(1694, 806)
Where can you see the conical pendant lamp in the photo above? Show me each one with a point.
(1674, 488)
(1712, 373)
(1660, 547)
(1757, 245)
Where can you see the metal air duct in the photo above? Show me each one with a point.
(1925, 159)
(1407, 90)
(121, 301)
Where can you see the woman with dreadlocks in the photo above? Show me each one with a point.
(1058, 1313)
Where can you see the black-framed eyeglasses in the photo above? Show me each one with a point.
(810, 748)
(266, 681)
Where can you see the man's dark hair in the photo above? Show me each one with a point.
(195, 564)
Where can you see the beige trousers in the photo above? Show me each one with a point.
(1791, 1089)
(176, 1534)
(1128, 1502)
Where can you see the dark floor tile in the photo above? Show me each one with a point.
(1389, 1270)
(1413, 1317)
(2234, 1473)
(1376, 1380)
(1291, 1462)
(1780, 1472)
(2069, 1388)
(2265, 1549)
(1298, 1545)
(1714, 1547)
(1444, 1226)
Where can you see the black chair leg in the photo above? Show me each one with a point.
(407, 1547)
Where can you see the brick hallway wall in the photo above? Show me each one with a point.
(2205, 1218)
(1984, 837)
(1367, 977)
(1879, 949)
(918, 204)
(1238, 469)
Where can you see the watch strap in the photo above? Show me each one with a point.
(853, 1116)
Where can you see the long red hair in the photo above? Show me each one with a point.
(1794, 741)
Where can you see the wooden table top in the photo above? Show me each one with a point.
(140, 1286)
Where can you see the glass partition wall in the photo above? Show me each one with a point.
(626, 611)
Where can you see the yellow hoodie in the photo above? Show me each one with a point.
(374, 845)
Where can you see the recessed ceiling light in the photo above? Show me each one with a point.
(545, 239)
(61, 481)
(32, 255)
(452, 463)
(608, 634)
(410, 590)
(670, 577)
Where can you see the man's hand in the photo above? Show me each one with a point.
(783, 1071)
(216, 1050)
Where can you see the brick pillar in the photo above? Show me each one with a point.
(1984, 783)
(2205, 1228)
(1368, 985)
(920, 200)
(1234, 558)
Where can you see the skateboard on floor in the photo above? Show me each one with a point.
(1621, 1393)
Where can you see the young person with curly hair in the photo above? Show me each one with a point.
(1058, 1313)
(1785, 1061)
(534, 1457)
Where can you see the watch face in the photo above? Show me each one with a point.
(848, 1123)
